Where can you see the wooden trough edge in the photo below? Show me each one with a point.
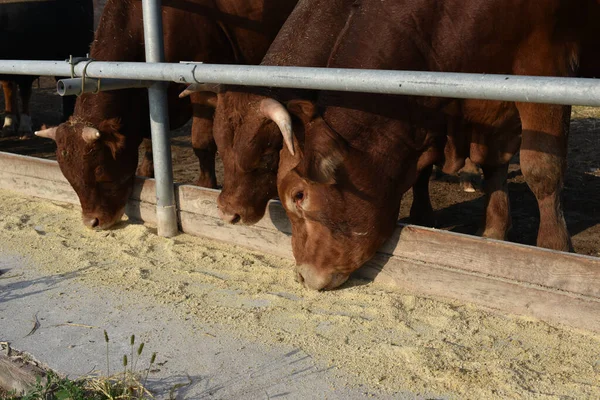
(553, 286)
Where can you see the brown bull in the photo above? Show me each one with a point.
(97, 149)
(247, 119)
(358, 153)
(248, 123)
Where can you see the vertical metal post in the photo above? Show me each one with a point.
(166, 209)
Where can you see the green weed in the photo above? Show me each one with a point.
(126, 385)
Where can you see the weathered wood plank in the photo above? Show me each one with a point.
(566, 271)
(144, 190)
(253, 237)
(31, 166)
(196, 200)
(19, 376)
(38, 187)
(141, 211)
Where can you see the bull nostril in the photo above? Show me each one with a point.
(94, 222)
(236, 218)
(299, 278)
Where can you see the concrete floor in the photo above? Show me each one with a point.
(219, 365)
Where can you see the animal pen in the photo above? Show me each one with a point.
(549, 285)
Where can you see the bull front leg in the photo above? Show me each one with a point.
(543, 162)
(470, 176)
(146, 168)
(497, 219)
(25, 126)
(421, 211)
(203, 144)
(11, 108)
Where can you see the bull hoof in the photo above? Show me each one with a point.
(555, 240)
(25, 127)
(10, 127)
(208, 183)
(428, 222)
(494, 233)
(469, 182)
(8, 131)
(422, 218)
(25, 134)
(468, 187)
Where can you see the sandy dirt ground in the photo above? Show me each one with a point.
(455, 210)
(379, 335)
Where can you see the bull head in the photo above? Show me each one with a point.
(269, 108)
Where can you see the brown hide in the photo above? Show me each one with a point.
(247, 140)
(221, 31)
(342, 211)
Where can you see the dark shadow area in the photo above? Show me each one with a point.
(463, 212)
(257, 381)
(174, 387)
(279, 218)
(372, 268)
(28, 146)
(581, 212)
(45, 109)
(10, 284)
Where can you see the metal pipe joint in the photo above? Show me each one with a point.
(77, 87)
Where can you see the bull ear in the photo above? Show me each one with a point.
(303, 109)
(110, 125)
(115, 142)
(324, 152)
(111, 137)
(324, 149)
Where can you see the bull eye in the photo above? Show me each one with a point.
(64, 153)
(99, 171)
(299, 197)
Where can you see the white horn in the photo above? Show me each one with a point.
(200, 87)
(49, 133)
(90, 134)
(276, 112)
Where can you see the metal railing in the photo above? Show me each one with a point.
(532, 89)
(166, 208)
(552, 90)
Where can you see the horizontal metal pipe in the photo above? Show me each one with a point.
(553, 90)
(75, 86)
(167, 72)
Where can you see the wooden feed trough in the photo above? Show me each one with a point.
(553, 286)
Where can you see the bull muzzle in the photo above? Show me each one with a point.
(315, 279)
